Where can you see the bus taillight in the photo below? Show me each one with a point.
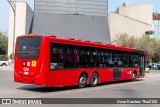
(26, 64)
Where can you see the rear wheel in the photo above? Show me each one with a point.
(134, 76)
(82, 82)
(94, 80)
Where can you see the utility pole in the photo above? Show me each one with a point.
(107, 7)
(13, 6)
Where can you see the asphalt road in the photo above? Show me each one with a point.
(149, 87)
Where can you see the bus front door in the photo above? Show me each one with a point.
(141, 65)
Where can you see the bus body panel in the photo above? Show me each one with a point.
(38, 80)
(54, 78)
(127, 73)
(60, 78)
(29, 70)
(70, 77)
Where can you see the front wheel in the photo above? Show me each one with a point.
(82, 82)
(134, 75)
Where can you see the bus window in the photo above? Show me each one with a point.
(118, 60)
(76, 56)
(101, 58)
(71, 56)
(84, 57)
(56, 56)
(135, 61)
(28, 47)
(108, 59)
(94, 57)
(130, 60)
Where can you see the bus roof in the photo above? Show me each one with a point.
(79, 42)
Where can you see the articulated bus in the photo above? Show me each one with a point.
(58, 62)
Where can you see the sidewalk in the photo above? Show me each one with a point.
(7, 68)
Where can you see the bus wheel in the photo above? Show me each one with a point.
(82, 82)
(94, 79)
(134, 76)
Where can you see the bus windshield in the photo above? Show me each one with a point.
(28, 47)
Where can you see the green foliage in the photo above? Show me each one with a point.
(3, 44)
(11, 56)
(150, 45)
(3, 57)
(125, 40)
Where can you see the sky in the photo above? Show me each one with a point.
(113, 4)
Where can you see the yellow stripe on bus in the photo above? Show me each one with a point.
(34, 63)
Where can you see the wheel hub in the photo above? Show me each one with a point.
(82, 80)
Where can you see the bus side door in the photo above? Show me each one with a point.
(117, 69)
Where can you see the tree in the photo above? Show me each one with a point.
(126, 40)
(150, 45)
(156, 53)
(3, 44)
(11, 56)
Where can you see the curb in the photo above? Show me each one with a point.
(154, 71)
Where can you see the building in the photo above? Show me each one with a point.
(133, 20)
(156, 21)
(23, 21)
(79, 19)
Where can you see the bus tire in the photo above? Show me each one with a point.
(94, 79)
(134, 76)
(82, 82)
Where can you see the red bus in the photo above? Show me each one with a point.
(57, 62)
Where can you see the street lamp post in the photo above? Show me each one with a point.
(13, 6)
(114, 41)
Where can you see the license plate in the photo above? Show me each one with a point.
(26, 73)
